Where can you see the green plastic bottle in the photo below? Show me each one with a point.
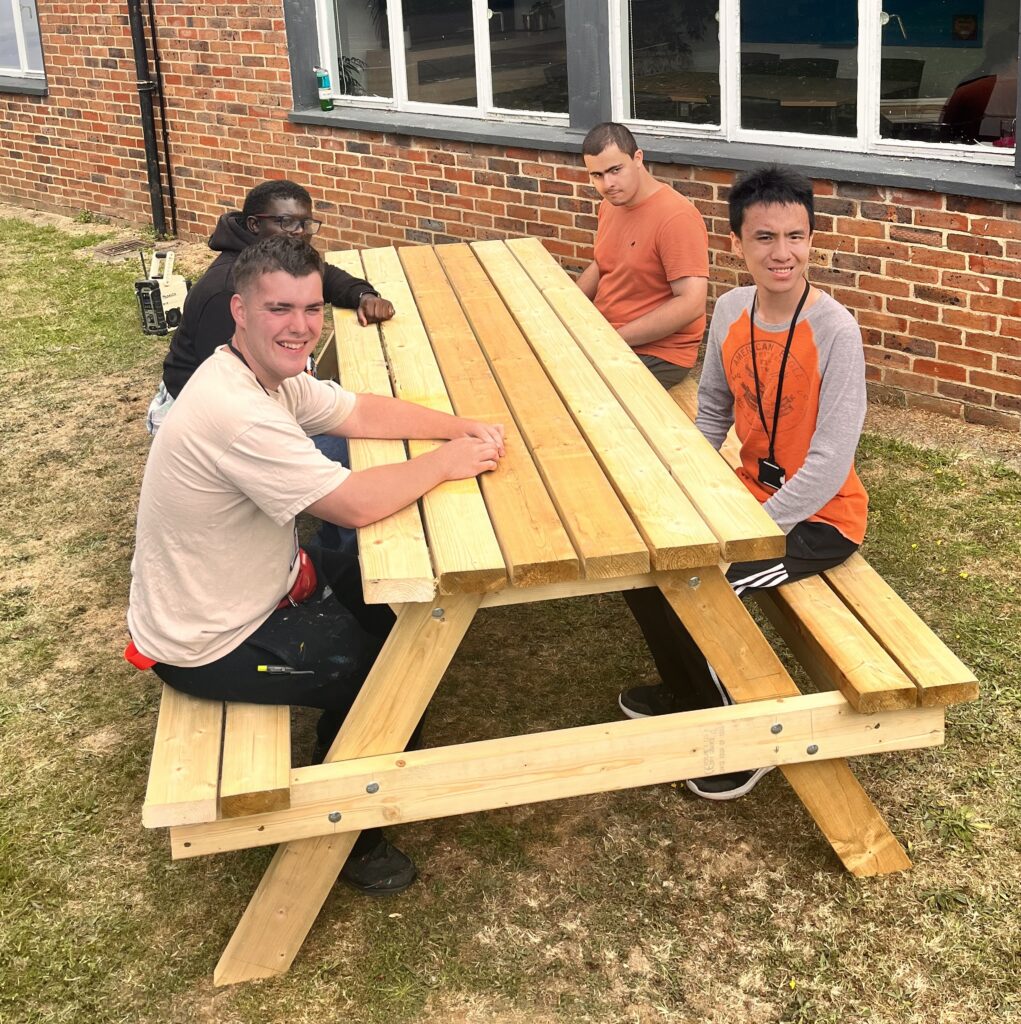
(325, 92)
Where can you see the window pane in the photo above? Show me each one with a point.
(675, 61)
(528, 56)
(8, 42)
(33, 44)
(363, 48)
(799, 69)
(949, 72)
(439, 51)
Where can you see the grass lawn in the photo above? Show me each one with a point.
(642, 906)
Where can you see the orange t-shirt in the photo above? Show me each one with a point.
(639, 251)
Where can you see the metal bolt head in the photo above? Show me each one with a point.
(776, 729)
(437, 613)
(813, 748)
(694, 581)
(372, 787)
(334, 816)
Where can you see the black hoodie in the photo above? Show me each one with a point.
(206, 321)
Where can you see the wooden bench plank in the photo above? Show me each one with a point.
(393, 554)
(465, 552)
(672, 528)
(941, 677)
(535, 544)
(600, 528)
(744, 530)
(256, 768)
(809, 615)
(185, 767)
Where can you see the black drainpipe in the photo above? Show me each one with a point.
(164, 127)
(146, 87)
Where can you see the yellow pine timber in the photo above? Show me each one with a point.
(393, 554)
(724, 631)
(464, 548)
(185, 767)
(851, 657)
(427, 784)
(390, 703)
(255, 774)
(744, 530)
(941, 677)
(599, 526)
(535, 544)
(672, 528)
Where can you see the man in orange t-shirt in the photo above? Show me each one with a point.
(651, 269)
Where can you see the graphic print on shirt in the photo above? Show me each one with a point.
(794, 404)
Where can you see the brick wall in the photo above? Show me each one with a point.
(934, 280)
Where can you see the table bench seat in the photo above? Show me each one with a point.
(851, 631)
(213, 760)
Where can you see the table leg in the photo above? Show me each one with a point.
(728, 636)
(393, 699)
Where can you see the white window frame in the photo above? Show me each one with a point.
(23, 71)
(325, 15)
(868, 139)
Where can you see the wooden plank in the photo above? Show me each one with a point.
(672, 528)
(865, 674)
(572, 588)
(941, 677)
(737, 650)
(535, 544)
(465, 552)
(744, 530)
(390, 703)
(394, 558)
(598, 525)
(256, 769)
(185, 768)
(685, 397)
(327, 367)
(426, 784)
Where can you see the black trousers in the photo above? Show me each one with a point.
(334, 637)
(811, 549)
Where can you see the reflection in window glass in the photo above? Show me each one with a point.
(12, 60)
(799, 72)
(528, 54)
(363, 49)
(439, 51)
(675, 61)
(949, 76)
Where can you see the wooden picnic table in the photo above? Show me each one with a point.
(606, 486)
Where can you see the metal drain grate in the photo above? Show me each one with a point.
(120, 248)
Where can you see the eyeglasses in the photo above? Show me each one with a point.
(288, 222)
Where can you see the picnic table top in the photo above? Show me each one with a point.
(604, 476)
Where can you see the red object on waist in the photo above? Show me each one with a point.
(305, 582)
(137, 658)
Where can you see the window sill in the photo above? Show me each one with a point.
(951, 177)
(25, 86)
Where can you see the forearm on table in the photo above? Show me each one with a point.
(384, 417)
(373, 494)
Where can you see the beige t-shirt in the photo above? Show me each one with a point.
(215, 544)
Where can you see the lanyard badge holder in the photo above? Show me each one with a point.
(771, 473)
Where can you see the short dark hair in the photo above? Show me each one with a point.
(607, 134)
(284, 252)
(259, 199)
(771, 186)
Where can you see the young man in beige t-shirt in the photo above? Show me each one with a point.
(216, 552)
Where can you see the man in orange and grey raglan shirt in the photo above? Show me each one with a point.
(784, 364)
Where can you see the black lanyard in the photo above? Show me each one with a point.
(771, 438)
(230, 345)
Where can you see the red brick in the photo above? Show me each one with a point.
(942, 406)
(909, 381)
(975, 244)
(932, 219)
(995, 382)
(945, 371)
(991, 418)
(965, 356)
(989, 265)
(963, 393)
(994, 343)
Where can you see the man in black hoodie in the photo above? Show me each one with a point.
(206, 323)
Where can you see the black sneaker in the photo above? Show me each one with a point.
(381, 871)
(649, 701)
(729, 786)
